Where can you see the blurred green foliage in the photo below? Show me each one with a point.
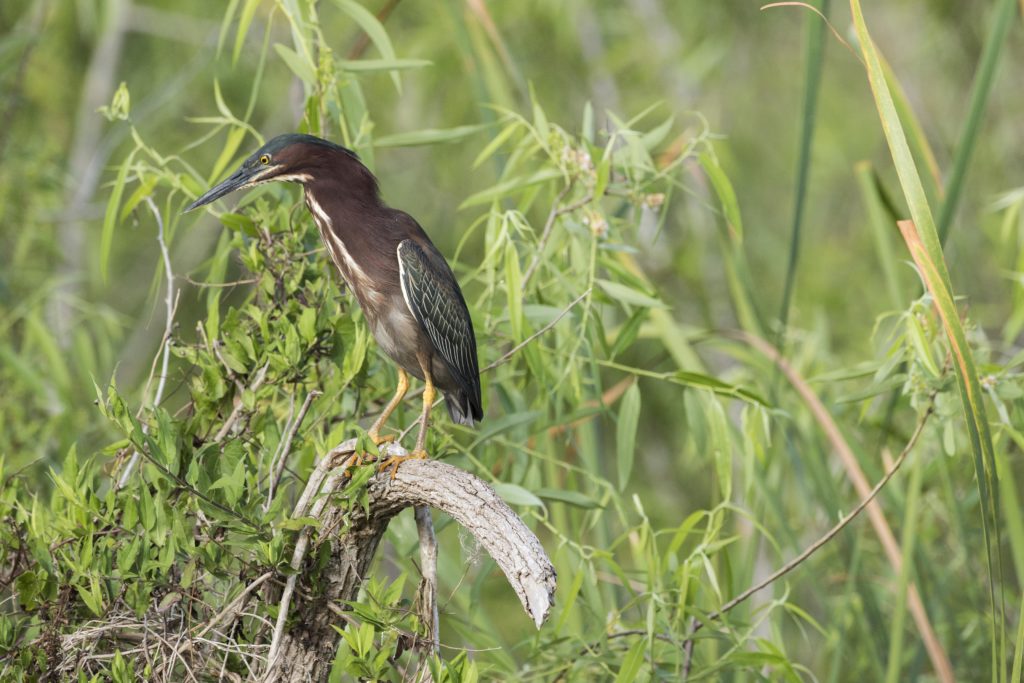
(554, 153)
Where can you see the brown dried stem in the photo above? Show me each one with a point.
(937, 654)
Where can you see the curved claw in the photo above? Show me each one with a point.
(377, 438)
(395, 460)
(355, 460)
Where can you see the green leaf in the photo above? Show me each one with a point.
(231, 144)
(495, 144)
(720, 443)
(147, 508)
(924, 243)
(999, 28)
(232, 483)
(110, 217)
(569, 497)
(299, 65)
(120, 105)
(374, 31)
(244, 20)
(491, 428)
(428, 136)
(307, 325)
(92, 596)
(140, 193)
(234, 362)
(632, 662)
(654, 137)
(725, 192)
(514, 293)
(363, 65)
(516, 495)
(239, 222)
(627, 295)
(297, 523)
(625, 433)
(509, 187)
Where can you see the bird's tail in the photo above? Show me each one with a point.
(462, 409)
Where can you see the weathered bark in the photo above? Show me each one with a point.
(305, 650)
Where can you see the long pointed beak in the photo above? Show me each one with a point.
(237, 180)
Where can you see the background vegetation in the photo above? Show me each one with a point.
(670, 195)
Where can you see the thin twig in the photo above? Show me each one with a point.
(556, 211)
(505, 358)
(549, 224)
(697, 624)
(501, 361)
(235, 605)
(427, 594)
(234, 283)
(277, 467)
(312, 489)
(935, 650)
(838, 36)
(515, 349)
(176, 653)
(257, 382)
(936, 653)
(409, 635)
(260, 477)
(169, 302)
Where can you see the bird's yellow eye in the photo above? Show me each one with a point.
(264, 160)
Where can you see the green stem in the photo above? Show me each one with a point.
(994, 43)
(814, 50)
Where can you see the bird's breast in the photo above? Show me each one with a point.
(385, 309)
(397, 333)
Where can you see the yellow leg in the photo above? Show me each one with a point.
(374, 432)
(429, 394)
(418, 453)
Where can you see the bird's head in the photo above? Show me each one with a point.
(291, 157)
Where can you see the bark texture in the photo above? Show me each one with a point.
(304, 651)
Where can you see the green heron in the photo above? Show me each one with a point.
(411, 300)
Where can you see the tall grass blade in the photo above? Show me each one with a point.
(922, 239)
(909, 536)
(916, 138)
(737, 273)
(814, 51)
(1019, 646)
(994, 43)
(881, 228)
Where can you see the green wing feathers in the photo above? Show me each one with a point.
(433, 295)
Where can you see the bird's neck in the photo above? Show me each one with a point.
(348, 223)
(346, 211)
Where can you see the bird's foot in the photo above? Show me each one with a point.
(361, 458)
(355, 460)
(395, 460)
(377, 438)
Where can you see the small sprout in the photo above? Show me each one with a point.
(597, 223)
(584, 161)
(119, 107)
(654, 200)
(577, 162)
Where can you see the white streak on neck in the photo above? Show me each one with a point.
(295, 177)
(349, 267)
